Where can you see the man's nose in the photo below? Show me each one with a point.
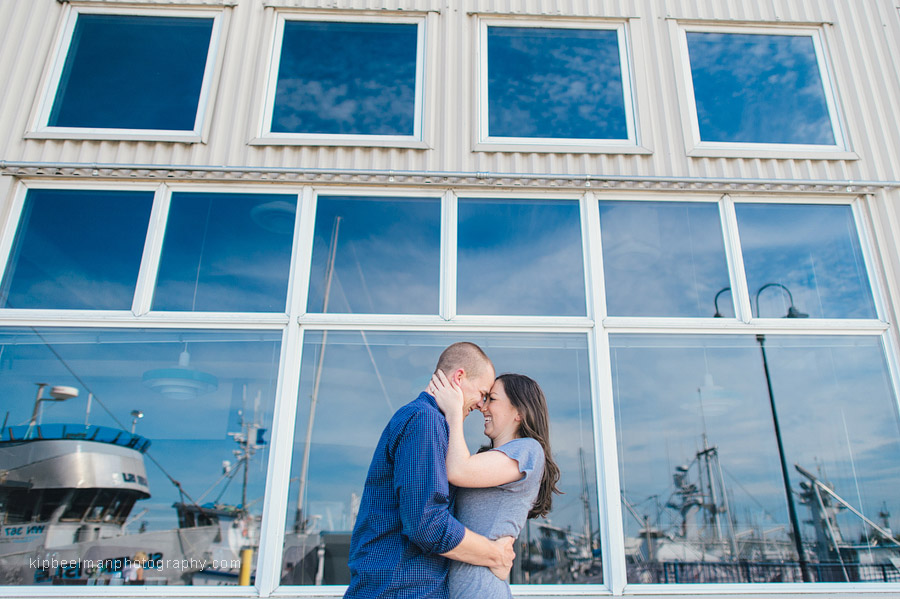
(479, 405)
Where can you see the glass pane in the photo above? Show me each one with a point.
(77, 250)
(520, 257)
(806, 257)
(92, 479)
(346, 78)
(759, 89)
(386, 260)
(703, 490)
(133, 72)
(226, 252)
(562, 83)
(369, 375)
(663, 259)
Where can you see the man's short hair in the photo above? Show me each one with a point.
(465, 355)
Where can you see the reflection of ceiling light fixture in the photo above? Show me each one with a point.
(276, 216)
(182, 381)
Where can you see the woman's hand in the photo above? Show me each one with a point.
(448, 396)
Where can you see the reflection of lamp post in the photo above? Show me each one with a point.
(56, 394)
(135, 416)
(792, 312)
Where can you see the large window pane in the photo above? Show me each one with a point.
(386, 259)
(133, 72)
(520, 257)
(346, 78)
(753, 88)
(702, 484)
(555, 83)
(163, 451)
(77, 250)
(226, 252)
(663, 258)
(808, 255)
(352, 382)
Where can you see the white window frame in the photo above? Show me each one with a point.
(264, 134)
(486, 143)
(596, 326)
(696, 147)
(40, 129)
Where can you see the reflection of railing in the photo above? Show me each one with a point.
(56, 432)
(746, 571)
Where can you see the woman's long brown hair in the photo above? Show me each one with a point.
(528, 398)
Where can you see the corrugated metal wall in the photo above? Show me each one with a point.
(861, 35)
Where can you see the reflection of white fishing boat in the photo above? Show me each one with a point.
(66, 492)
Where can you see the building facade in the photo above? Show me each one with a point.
(236, 235)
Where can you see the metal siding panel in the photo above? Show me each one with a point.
(862, 46)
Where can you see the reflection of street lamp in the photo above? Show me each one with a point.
(56, 394)
(135, 416)
(792, 312)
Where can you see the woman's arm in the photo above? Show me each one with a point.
(486, 469)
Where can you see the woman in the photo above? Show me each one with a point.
(501, 487)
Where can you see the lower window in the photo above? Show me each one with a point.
(757, 458)
(138, 458)
(351, 383)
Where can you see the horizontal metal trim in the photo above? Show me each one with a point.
(77, 170)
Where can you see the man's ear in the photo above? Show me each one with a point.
(458, 375)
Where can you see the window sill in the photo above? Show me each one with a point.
(786, 152)
(553, 146)
(369, 141)
(77, 134)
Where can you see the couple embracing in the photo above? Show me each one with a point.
(436, 521)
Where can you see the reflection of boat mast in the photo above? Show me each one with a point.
(586, 501)
(300, 522)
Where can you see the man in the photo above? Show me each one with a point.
(404, 531)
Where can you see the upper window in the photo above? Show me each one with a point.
(343, 80)
(751, 87)
(376, 256)
(135, 75)
(77, 249)
(520, 257)
(555, 85)
(226, 252)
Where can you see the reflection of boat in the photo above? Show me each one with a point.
(66, 492)
(706, 544)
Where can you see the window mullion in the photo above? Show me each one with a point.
(739, 293)
(612, 532)
(156, 231)
(448, 278)
(304, 227)
(278, 474)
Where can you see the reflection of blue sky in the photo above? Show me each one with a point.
(77, 249)
(758, 89)
(189, 437)
(837, 415)
(388, 256)
(346, 78)
(562, 83)
(663, 259)
(520, 257)
(814, 251)
(216, 256)
(133, 72)
(353, 407)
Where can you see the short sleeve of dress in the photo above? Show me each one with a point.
(529, 454)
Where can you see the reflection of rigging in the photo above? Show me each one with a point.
(301, 522)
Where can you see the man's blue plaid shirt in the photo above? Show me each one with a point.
(404, 520)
